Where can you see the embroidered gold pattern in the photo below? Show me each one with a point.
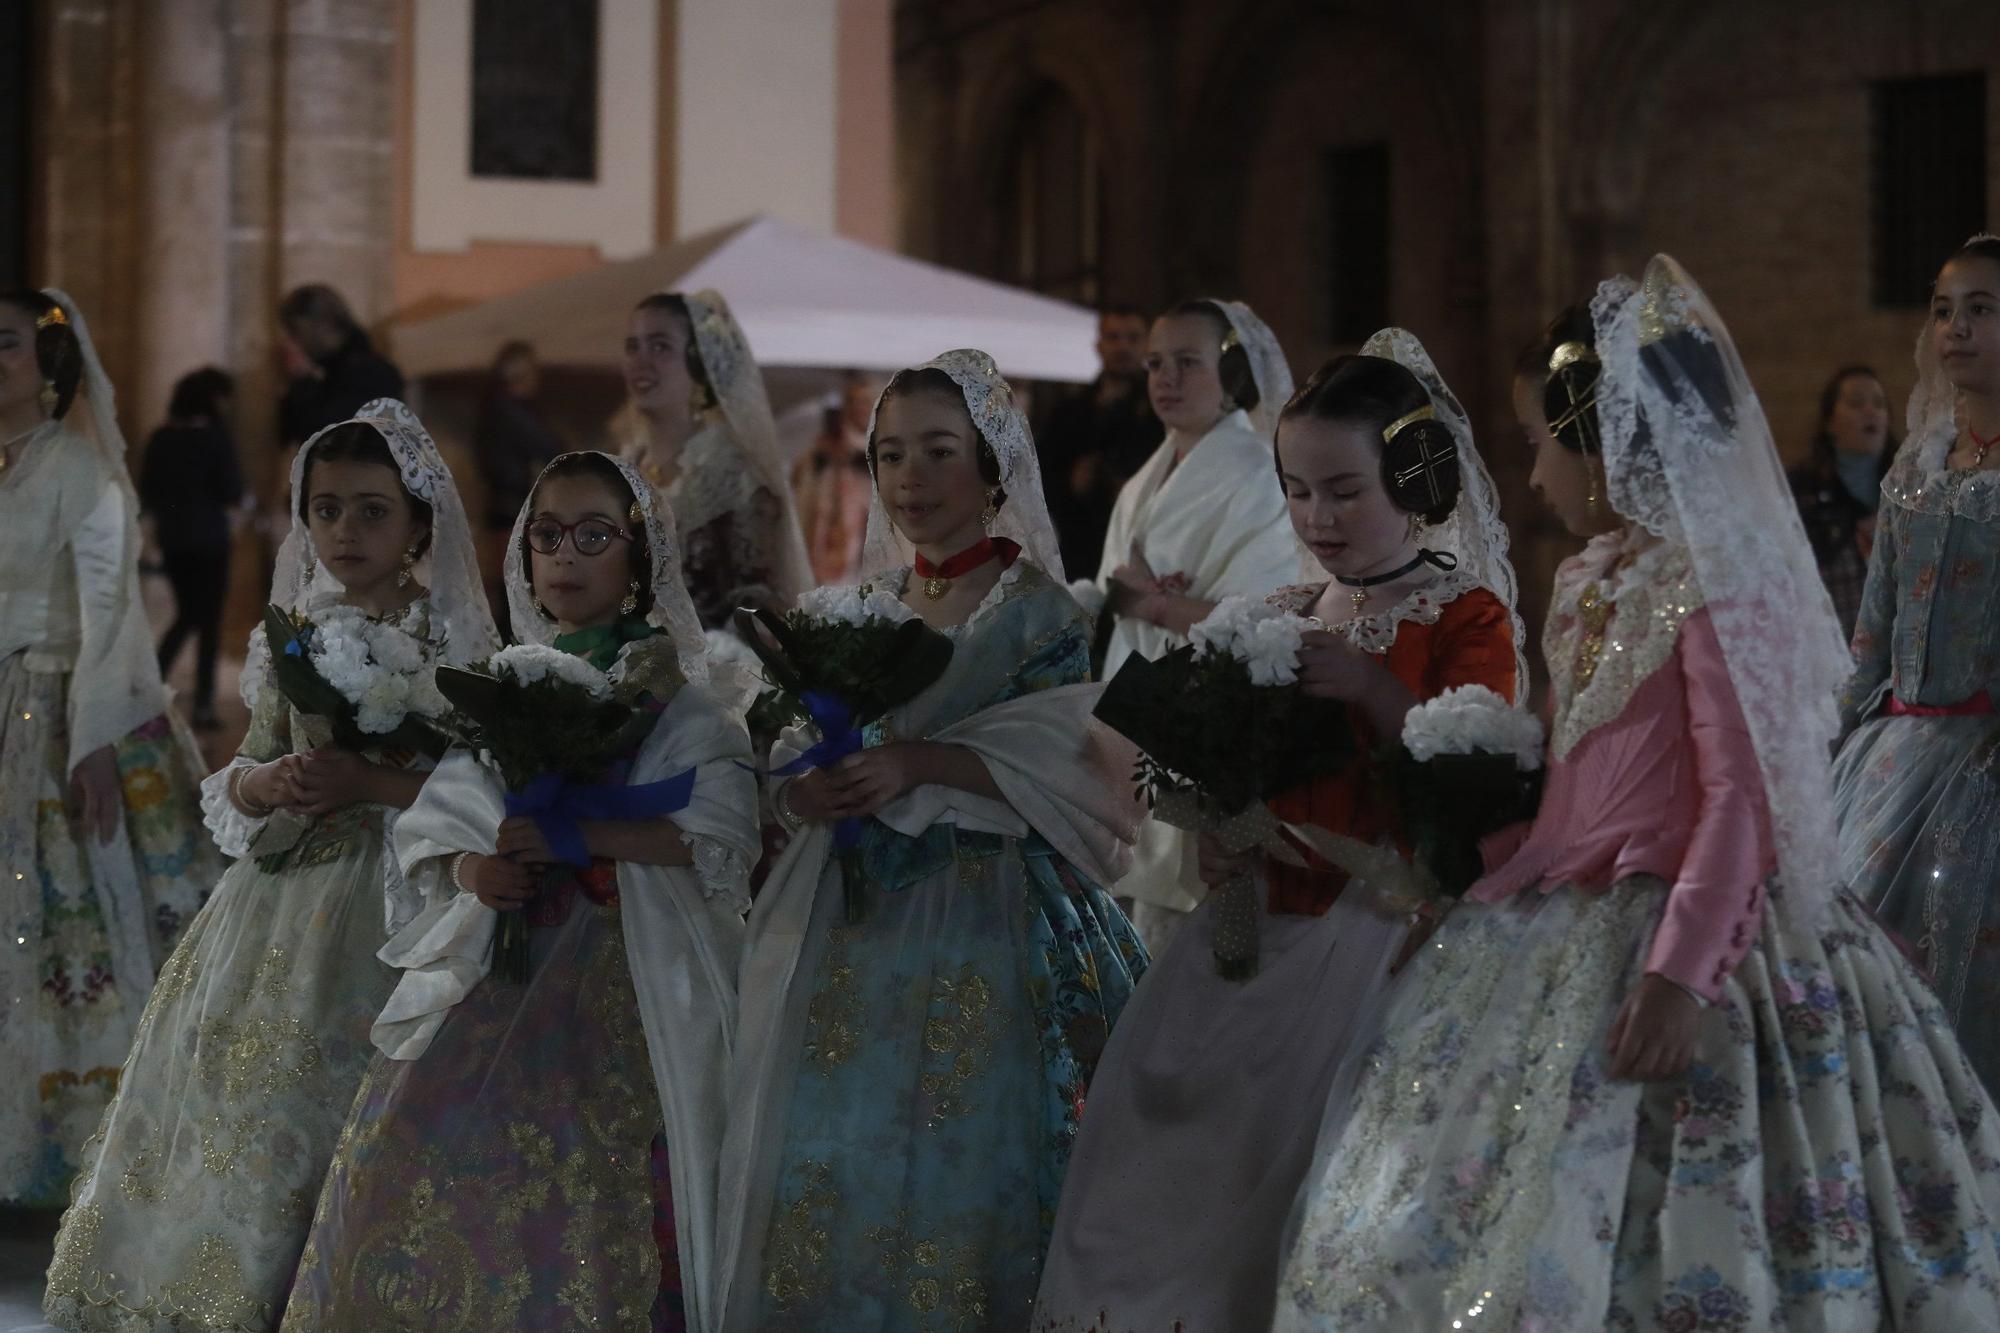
(214, 1293)
(935, 1277)
(796, 1255)
(1593, 613)
(833, 1015)
(958, 1031)
(136, 1182)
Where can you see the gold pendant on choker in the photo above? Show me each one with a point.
(936, 586)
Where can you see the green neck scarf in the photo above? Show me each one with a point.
(599, 644)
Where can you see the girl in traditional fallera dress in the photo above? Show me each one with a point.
(1199, 522)
(1208, 1099)
(709, 446)
(907, 1087)
(1917, 780)
(1658, 1072)
(541, 1154)
(197, 1193)
(102, 855)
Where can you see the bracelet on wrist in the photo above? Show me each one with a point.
(456, 863)
(244, 801)
(783, 805)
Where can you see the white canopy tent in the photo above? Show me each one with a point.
(805, 300)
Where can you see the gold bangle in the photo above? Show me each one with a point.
(255, 809)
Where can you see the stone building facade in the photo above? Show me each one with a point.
(1532, 146)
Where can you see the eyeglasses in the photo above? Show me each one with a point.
(589, 537)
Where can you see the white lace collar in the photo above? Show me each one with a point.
(1923, 481)
(1376, 633)
(1610, 630)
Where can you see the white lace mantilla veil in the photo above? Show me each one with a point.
(738, 384)
(1475, 532)
(1689, 456)
(1267, 364)
(449, 570)
(1024, 518)
(1931, 422)
(672, 610)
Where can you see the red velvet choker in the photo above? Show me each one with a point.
(937, 578)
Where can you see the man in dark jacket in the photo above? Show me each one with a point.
(1097, 438)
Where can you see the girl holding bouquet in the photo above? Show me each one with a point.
(1660, 1072)
(906, 1086)
(1211, 1091)
(196, 1195)
(540, 1153)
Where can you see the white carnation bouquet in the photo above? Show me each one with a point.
(371, 680)
(1222, 726)
(1470, 763)
(840, 660)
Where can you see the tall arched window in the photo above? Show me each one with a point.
(1050, 198)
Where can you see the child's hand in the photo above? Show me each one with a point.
(502, 884)
(521, 839)
(1652, 1038)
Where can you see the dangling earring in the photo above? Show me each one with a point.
(540, 610)
(992, 510)
(409, 563)
(1228, 403)
(631, 602)
(49, 398)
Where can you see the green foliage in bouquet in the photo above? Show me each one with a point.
(1199, 722)
(1447, 803)
(545, 726)
(290, 637)
(871, 667)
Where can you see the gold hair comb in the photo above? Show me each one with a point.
(1424, 413)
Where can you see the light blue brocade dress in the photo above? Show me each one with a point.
(942, 1048)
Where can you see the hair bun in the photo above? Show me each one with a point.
(1420, 468)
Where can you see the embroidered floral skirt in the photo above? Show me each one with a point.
(74, 908)
(945, 1046)
(1202, 1122)
(1918, 802)
(513, 1176)
(1828, 1163)
(199, 1186)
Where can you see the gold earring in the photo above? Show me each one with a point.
(992, 510)
(409, 563)
(540, 610)
(631, 602)
(49, 398)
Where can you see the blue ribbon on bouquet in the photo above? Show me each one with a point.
(834, 721)
(558, 807)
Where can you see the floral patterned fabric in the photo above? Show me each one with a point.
(1918, 797)
(514, 1176)
(1829, 1162)
(66, 1041)
(949, 1042)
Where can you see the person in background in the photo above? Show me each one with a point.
(333, 365)
(1839, 486)
(1098, 436)
(832, 486)
(188, 484)
(513, 441)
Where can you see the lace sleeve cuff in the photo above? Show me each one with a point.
(229, 826)
(722, 871)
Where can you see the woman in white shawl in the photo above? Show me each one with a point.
(102, 855)
(189, 1208)
(906, 1088)
(541, 1155)
(708, 445)
(1199, 522)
